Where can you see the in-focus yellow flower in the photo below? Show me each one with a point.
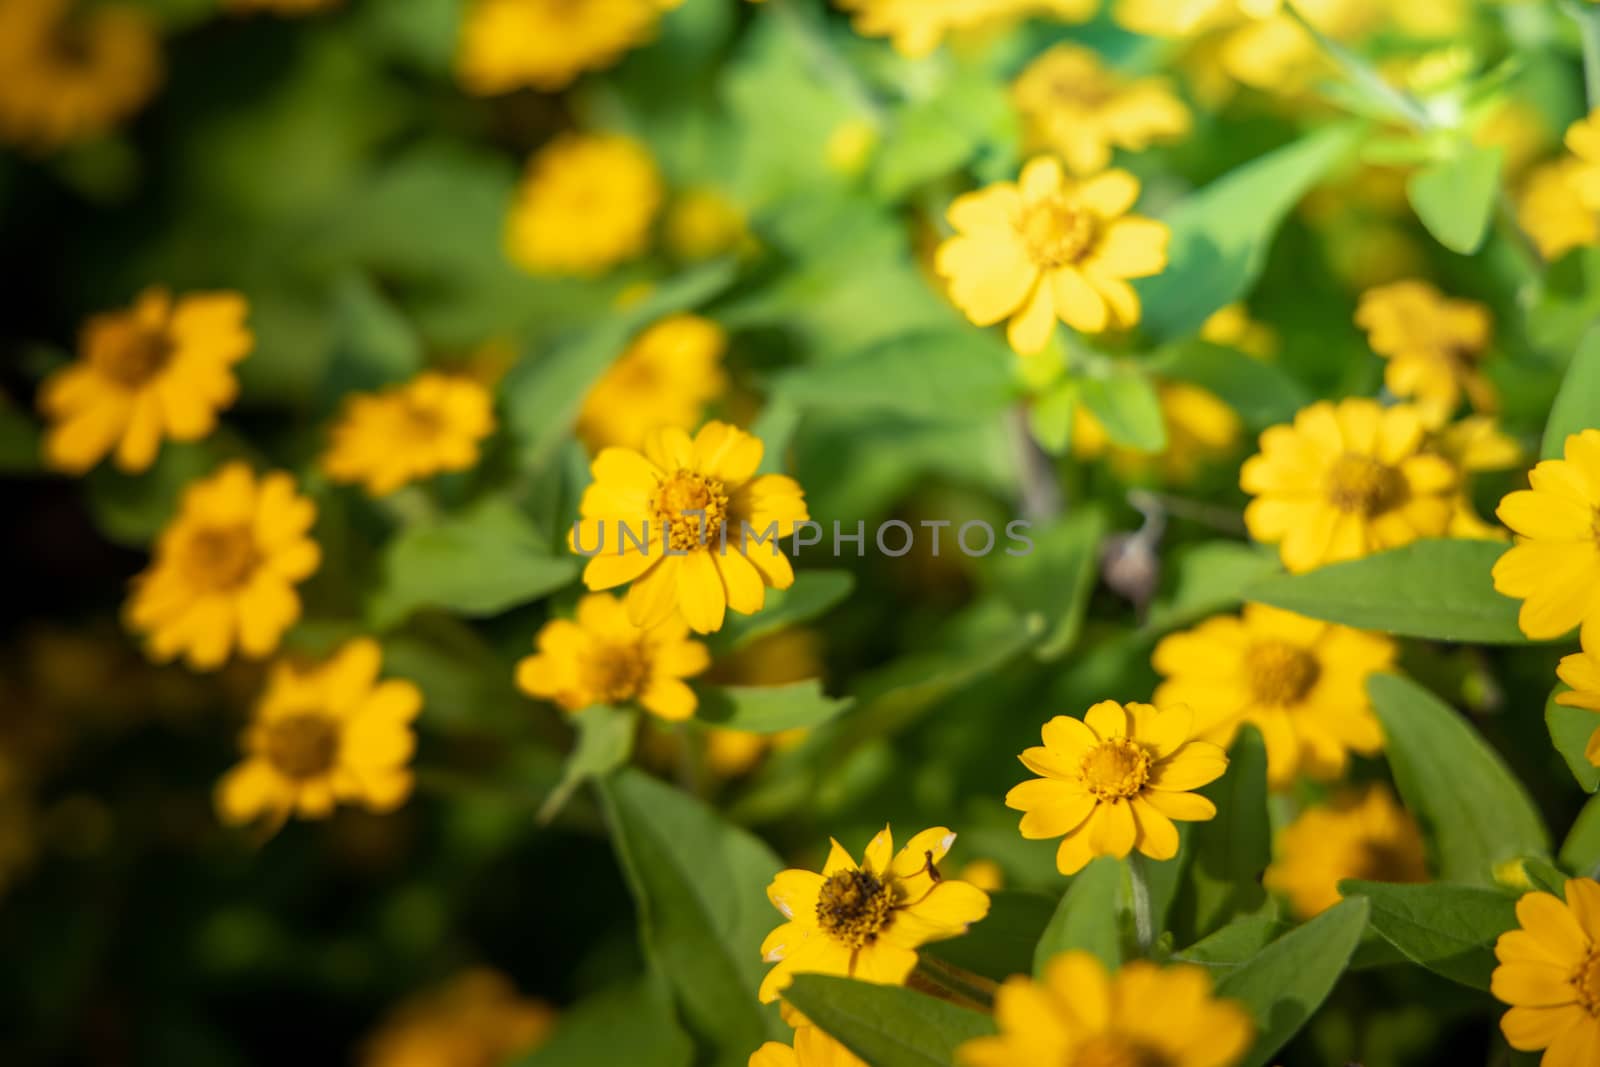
(667, 375)
(1552, 213)
(586, 205)
(476, 1019)
(1581, 671)
(601, 657)
(409, 432)
(1363, 835)
(713, 526)
(1046, 248)
(1433, 344)
(225, 569)
(1583, 139)
(72, 72)
(1344, 481)
(1144, 1015)
(1114, 780)
(1201, 428)
(1301, 682)
(1475, 443)
(867, 922)
(320, 735)
(1554, 568)
(1233, 327)
(812, 1048)
(1549, 974)
(1075, 106)
(161, 369)
(702, 223)
(916, 27)
(545, 44)
(281, 7)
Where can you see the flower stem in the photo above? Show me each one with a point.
(1144, 925)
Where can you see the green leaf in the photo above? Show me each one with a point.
(1262, 393)
(1438, 589)
(632, 1024)
(935, 135)
(769, 709)
(132, 509)
(812, 594)
(888, 1026)
(1580, 852)
(1051, 416)
(1455, 197)
(373, 344)
(19, 441)
(1577, 405)
(1236, 944)
(1087, 917)
(1449, 929)
(1125, 403)
(604, 743)
(1570, 730)
(1478, 813)
(1230, 851)
(1052, 583)
(1211, 577)
(1001, 943)
(933, 374)
(1285, 983)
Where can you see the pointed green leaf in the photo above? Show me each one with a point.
(1455, 197)
(1449, 929)
(604, 743)
(1088, 916)
(1054, 580)
(1262, 393)
(929, 374)
(1232, 946)
(1230, 851)
(1126, 405)
(1577, 405)
(812, 594)
(769, 709)
(888, 1026)
(1001, 943)
(1580, 852)
(1570, 730)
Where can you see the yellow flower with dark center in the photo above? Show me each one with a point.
(71, 75)
(1346, 480)
(1114, 780)
(321, 735)
(546, 44)
(1072, 104)
(1552, 213)
(1554, 568)
(1080, 1015)
(601, 657)
(689, 523)
(867, 921)
(1583, 139)
(161, 369)
(1475, 443)
(1046, 248)
(1201, 428)
(430, 425)
(917, 27)
(812, 1048)
(225, 569)
(1365, 836)
(586, 205)
(477, 1019)
(1549, 974)
(1301, 682)
(1433, 344)
(1581, 671)
(666, 377)
(1233, 327)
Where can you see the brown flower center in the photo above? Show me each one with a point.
(1115, 769)
(615, 673)
(1385, 861)
(1083, 89)
(854, 907)
(1586, 981)
(1279, 673)
(142, 355)
(302, 746)
(1057, 232)
(420, 422)
(1115, 1050)
(694, 508)
(1360, 485)
(220, 557)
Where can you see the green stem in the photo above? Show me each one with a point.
(1144, 924)
(1357, 70)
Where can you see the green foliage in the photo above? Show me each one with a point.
(1002, 942)
(1232, 850)
(769, 709)
(1577, 406)
(1455, 197)
(1125, 403)
(886, 1025)
(813, 594)
(1570, 730)
(604, 743)
(1087, 919)
(1449, 929)
(1052, 583)
(632, 1024)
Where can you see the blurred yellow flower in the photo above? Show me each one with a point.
(788, 656)
(667, 375)
(1552, 213)
(916, 27)
(986, 874)
(1346, 480)
(586, 205)
(546, 44)
(1114, 780)
(702, 223)
(281, 7)
(1583, 139)
(1433, 344)
(1475, 443)
(1363, 835)
(1581, 671)
(1142, 1015)
(867, 921)
(161, 369)
(1201, 428)
(225, 569)
(1232, 327)
(1075, 106)
(1549, 974)
(409, 432)
(477, 1019)
(1048, 248)
(1554, 568)
(812, 1048)
(323, 734)
(849, 147)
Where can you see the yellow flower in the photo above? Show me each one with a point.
(586, 205)
(702, 223)
(1475, 443)
(163, 368)
(545, 44)
(1433, 345)
(281, 7)
(1072, 104)
(1114, 780)
(1553, 214)
(603, 658)
(1049, 248)
(406, 433)
(713, 526)
(1581, 671)
(1200, 429)
(1346, 480)
(1549, 974)
(985, 874)
(1233, 327)
(849, 147)
(476, 1019)
(327, 733)
(867, 922)
(225, 569)
(812, 1048)
(665, 378)
(1554, 568)
(916, 27)
(1583, 139)
(1142, 1016)
(71, 75)
(1363, 835)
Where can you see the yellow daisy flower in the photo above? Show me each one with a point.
(702, 223)
(161, 369)
(1301, 682)
(1552, 213)
(812, 1048)
(1583, 139)
(1114, 780)
(406, 433)
(1072, 104)
(323, 734)
(1232, 326)
(1344, 481)
(603, 658)
(1549, 974)
(1047, 248)
(1433, 345)
(1363, 835)
(476, 1018)
(665, 378)
(586, 205)
(225, 569)
(1554, 568)
(1581, 671)
(917, 27)
(1143, 1014)
(1475, 443)
(1201, 428)
(713, 526)
(867, 921)
(545, 44)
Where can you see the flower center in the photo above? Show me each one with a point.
(1114, 1050)
(615, 672)
(1586, 980)
(1056, 232)
(1082, 90)
(1115, 769)
(694, 508)
(1360, 485)
(1382, 861)
(302, 746)
(220, 557)
(1279, 673)
(140, 357)
(419, 421)
(854, 907)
